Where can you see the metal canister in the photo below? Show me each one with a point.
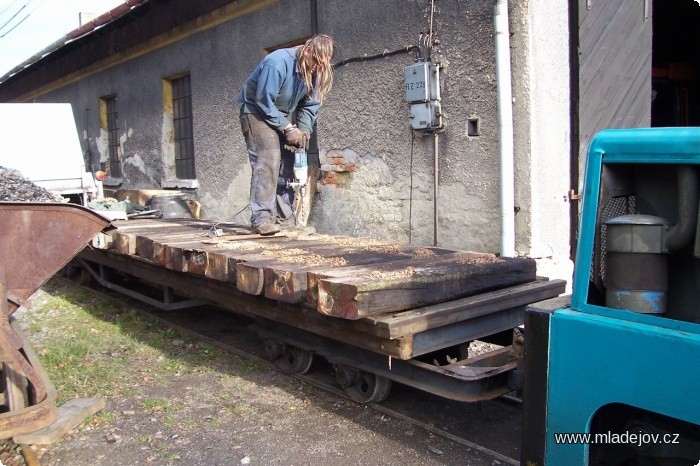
(171, 205)
(636, 271)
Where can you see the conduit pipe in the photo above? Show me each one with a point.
(505, 128)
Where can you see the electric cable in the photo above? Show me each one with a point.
(410, 187)
(407, 49)
(23, 19)
(8, 7)
(240, 211)
(15, 15)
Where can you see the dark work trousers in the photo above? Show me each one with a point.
(264, 146)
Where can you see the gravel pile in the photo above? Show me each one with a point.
(15, 187)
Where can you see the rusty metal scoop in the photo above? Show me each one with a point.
(36, 241)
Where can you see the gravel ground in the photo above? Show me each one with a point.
(15, 187)
(233, 412)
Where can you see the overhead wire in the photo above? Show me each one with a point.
(15, 15)
(8, 7)
(23, 19)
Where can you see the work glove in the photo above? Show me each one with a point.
(294, 136)
(304, 145)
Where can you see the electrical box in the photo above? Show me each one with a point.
(422, 82)
(425, 116)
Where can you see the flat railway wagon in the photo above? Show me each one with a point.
(379, 311)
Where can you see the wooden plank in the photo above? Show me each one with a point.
(437, 315)
(124, 236)
(160, 252)
(228, 297)
(335, 329)
(249, 275)
(286, 278)
(138, 223)
(178, 253)
(294, 283)
(214, 258)
(146, 242)
(413, 283)
(242, 251)
(250, 269)
(70, 415)
(190, 257)
(124, 243)
(318, 274)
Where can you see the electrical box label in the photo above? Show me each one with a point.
(416, 82)
(422, 82)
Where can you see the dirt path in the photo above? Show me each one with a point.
(178, 401)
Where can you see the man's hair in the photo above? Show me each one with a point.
(320, 49)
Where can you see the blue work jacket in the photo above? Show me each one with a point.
(275, 91)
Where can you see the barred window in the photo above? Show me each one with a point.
(182, 126)
(110, 124)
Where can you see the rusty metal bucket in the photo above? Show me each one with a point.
(36, 241)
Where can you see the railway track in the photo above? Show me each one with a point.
(467, 424)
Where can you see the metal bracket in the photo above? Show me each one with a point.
(168, 302)
(573, 195)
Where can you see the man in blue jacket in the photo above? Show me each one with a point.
(278, 105)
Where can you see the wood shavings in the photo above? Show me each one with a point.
(479, 260)
(394, 274)
(384, 249)
(247, 246)
(284, 253)
(303, 257)
(423, 253)
(353, 242)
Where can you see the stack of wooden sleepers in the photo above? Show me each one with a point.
(379, 293)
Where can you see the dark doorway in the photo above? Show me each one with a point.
(675, 63)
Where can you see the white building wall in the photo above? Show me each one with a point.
(541, 81)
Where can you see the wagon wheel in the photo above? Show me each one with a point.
(289, 359)
(363, 387)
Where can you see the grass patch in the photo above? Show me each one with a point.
(155, 403)
(248, 367)
(104, 416)
(94, 345)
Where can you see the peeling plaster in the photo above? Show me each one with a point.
(102, 143)
(137, 163)
(167, 147)
(235, 202)
(368, 199)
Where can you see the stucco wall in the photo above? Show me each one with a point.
(386, 173)
(541, 94)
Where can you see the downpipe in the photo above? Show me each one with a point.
(505, 128)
